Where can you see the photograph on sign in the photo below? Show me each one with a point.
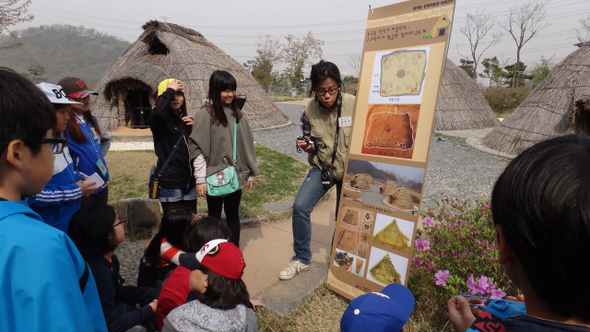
(398, 76)
(386, 267)
(390, 186)
(394, 233)
(390, 130)
(350, 263)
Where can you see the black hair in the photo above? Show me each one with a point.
(92, 231)
(322, 71)
(202, 231)
(222, 292)
(220, 81)
(541, 202)
(172, 227)
(25, 112)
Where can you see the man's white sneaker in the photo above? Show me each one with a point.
(293, 269)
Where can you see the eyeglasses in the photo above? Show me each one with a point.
(121, 222)
(331, 91)
(57, 143)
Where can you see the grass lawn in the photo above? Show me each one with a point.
(279, 179)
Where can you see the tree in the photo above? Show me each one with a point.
(476, 28)
(493, 71)
(523, 23)
(541, 70)
(11, 13)
(268, 54)
(34, 73)
(354, 60)
(295, 53)
(583, 33)
(467, 66)
(510, 72)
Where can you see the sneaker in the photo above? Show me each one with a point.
(293, 269)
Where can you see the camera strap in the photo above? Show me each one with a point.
(337, 129)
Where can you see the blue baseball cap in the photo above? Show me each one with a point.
(385, 311)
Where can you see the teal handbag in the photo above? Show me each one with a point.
(226, 181)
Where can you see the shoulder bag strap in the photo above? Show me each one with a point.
(235, 134)
(161, 171)
(337, 130)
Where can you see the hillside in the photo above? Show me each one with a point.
(63, 50)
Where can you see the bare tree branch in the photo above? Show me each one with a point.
(583, 33)
(476, 28)
(354, 60)
(11, 13)
(523, 23)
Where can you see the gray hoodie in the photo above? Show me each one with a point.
(195, 316)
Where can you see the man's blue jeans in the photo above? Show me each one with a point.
(309, 194)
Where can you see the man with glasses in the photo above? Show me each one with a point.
(326, 124)
(62, 195)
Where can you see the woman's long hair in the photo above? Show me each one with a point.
(74, 129)
(172, 227)
(222, 292)
(220, 81)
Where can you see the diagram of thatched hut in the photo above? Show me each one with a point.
(385, 272)
(362, 181)
(165, 50)
(387, 187)
(461, 105)
(550, 110)
(392, 236)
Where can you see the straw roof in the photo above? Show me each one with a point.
(461, 105)
(166, 50)
(548, 111)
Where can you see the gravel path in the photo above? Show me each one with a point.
(455, 168)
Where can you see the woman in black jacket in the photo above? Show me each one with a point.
(171, 126)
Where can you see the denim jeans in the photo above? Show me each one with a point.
(309, 194)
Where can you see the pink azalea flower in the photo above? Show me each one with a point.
(472, 285)
(427, 221)
(422, 244)
(497, 294)
(417, 261)
(440, 277)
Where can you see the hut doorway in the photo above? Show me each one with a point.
(139, 107)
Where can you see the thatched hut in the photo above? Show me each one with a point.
(550, 109)
(461, 105)
(164, 50)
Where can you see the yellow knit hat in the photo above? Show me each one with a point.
(164, 85)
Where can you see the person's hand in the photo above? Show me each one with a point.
(188, 120)
(460, 314)
(304, 145)
(154, 305)
(202, 189)
(249, 185)
(87, 188)
(176, 85)
(257, 303)
(518, 298)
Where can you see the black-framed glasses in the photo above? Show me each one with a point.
(331, 91)
(121, 222)
(57, 143)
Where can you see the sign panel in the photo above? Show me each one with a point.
(403, 59)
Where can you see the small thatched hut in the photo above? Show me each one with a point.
(164, 50)
(461, 105)
(549, 110)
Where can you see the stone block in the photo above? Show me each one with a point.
(142, 216)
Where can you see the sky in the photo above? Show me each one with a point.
(235, 26)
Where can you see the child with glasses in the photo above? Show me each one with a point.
(61, 197)
(97, 232)
(45, 284)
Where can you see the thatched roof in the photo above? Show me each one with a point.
(461, 105)
(547, 111)
(166, 50)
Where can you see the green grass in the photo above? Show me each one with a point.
(279, 179)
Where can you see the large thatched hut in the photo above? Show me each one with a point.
(461, 106)
(164, 50)
(550, 110)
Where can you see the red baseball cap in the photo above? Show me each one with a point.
(219, 256)
(75, 87)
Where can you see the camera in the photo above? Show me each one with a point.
(327, 177)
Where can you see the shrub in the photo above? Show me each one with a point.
(504, 100)
(455, 253)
